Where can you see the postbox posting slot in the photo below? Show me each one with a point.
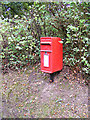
(46, 51)
(45, 43)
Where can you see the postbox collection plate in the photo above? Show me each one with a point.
(46, 60)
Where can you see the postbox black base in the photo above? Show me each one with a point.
(51, 78)
(52, 75)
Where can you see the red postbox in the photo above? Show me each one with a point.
(51, 54)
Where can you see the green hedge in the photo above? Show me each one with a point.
(21, 33)
(19, 48)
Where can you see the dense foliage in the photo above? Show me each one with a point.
(24, 23)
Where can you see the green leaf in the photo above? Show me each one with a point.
(16, 16)
(60, 41)
(18, 47)
(68, 35)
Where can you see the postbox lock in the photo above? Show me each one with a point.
(45, 52)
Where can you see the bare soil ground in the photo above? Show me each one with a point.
(28, 94)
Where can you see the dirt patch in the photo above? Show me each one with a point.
(29, 94)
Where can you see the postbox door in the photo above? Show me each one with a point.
(46, 61)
